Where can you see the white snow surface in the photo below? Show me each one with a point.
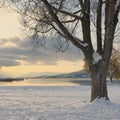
(85, 45)
(57, 103)
(96, 57)
(117, 4)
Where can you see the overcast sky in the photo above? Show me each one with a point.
(19, 57)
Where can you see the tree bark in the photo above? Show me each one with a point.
(98, 83)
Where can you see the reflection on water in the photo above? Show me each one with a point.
(48, 82)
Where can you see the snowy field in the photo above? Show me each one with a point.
(57, 103)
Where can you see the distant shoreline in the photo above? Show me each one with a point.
(11, 79)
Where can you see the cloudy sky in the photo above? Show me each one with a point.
(18, 56)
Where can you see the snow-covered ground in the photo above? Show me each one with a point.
(57, 103)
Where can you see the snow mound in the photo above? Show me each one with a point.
(101, 110)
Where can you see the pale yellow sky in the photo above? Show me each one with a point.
(61, 67)
(10, 28)
(9, 24)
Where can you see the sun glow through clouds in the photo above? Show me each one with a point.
(18, 59)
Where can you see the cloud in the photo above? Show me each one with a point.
(3, 41)
(15, 50)
(8, 63)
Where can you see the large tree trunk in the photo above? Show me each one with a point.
(98, 83)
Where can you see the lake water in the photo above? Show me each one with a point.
(54, 82)
(49, 82)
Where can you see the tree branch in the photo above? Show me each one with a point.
(110, 25)
(81, 3)
(77, 42)
(86, 23)
(68, 21)
(66, 12)
(58, 31)
(98, 27)
(75, 26)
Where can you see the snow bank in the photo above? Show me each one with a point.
(57, 103)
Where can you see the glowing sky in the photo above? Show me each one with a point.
(18, 56)
(10, 27)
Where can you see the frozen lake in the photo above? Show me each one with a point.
(49, 82)
(54, 82)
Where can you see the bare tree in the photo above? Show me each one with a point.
(114, 65)
(66, 18)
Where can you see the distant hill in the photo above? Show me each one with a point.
(78, 74)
